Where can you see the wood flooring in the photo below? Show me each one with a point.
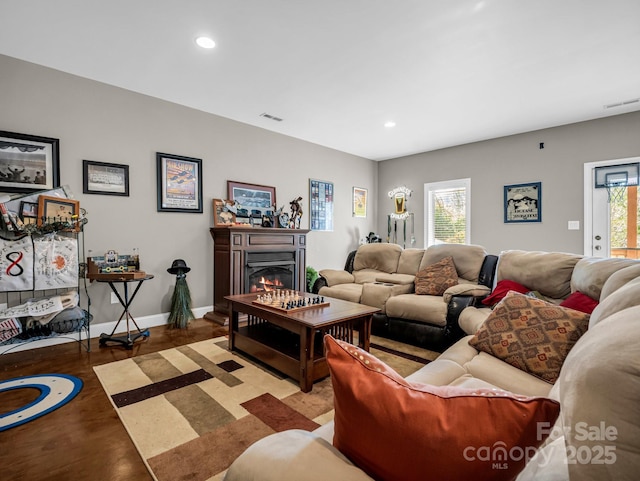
(84, 439)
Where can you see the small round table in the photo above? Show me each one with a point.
(128, 339)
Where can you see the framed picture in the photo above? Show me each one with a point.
(104, 178)
(222, 217)
(28, 163)
(321, 200)
(28, 212)
(523, 202)
(57, 209)
(254, 201)
(359, 202)
(179, 183)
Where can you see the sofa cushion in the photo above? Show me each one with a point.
(435, 279)
(397, 279)
(623, 298)
(367, 275)
(502, 289)
(464, 289)
(378, 256)
(376, 294)
(335, 277)
(382, 421)
(599, 388)
(346, 292)
(531, 334)
(591, 273)
(409, 262)
(546, 272)
(619, 279)
(427, 309)
(467, 258)
(580, 302)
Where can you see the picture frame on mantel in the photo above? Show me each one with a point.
(523, 202)
(254, 201)
(28, 163)
(179, 183)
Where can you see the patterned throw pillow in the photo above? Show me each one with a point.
(531, 334)
(433, 280)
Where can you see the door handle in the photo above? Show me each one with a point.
(597, 248)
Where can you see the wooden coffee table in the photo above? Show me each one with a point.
(291, 341)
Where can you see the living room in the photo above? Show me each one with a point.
(100, 122)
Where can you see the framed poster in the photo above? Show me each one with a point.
(359, 202)
(321, 200)
(222, 217)
(254, 201)
(104, 178)
(28, 163)
(179, 183)
(523, 202)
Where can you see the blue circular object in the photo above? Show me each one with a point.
(55, 390)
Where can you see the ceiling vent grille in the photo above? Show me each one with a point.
(624, 103)
(272, 117)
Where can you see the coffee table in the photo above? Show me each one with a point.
(291, 340)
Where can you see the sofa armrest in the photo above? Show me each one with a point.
(293, 455)
(488, 270)
(318, 284)
(456, 305)
(400, 279)
(334, 277)
(348, 265)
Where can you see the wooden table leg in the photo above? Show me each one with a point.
(364, 333)
(306, 359)
(233, 327)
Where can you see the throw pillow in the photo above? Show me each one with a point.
(531, 334)
(501, 290)
(580, 302)
(394, 429)
(436, 278)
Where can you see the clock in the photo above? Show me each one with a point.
(283, 220)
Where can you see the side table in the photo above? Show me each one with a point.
(128, 339)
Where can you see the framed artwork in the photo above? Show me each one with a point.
(179, 183)
(523, 202)
(359, 202)
(29, 212)
(104, 178)
(28, 163)
(57, 209)
(222, 217)
(321, 200)
(253, 201)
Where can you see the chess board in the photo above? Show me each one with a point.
(291, 302)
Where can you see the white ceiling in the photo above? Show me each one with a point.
(447, 72)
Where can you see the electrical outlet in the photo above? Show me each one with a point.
(114, 298)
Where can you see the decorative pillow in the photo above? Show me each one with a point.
(436, 278)
(501, 290)
(394, 429)
(580, 302)
(531, 334)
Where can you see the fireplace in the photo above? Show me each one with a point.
(250, 259)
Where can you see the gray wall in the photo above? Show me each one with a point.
(513, 160)
(98, 122)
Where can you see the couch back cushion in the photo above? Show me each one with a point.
(409, 262)
(623, 298)
(378, 256)
(591, 273)
(546, 272)
(599, 390)
(467, 258)
(619, 279)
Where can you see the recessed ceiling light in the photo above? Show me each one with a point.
(205, 42)
(390, 124)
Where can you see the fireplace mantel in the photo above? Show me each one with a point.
(230, 247)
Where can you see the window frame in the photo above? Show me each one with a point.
(429, 187)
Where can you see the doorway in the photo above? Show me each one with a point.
(611, 215)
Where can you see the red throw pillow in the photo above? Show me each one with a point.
(394, 429)
(580, 302)
(501, 290)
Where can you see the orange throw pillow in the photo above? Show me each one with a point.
(394, 429)
(436, 278)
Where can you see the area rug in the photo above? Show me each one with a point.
(190, 411)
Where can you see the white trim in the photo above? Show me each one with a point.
(145, 322)
(444, 185)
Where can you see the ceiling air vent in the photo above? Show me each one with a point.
(622, 104)
(272, 117)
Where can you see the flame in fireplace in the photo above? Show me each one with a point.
(266, 285)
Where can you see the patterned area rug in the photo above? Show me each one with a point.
(192, 410)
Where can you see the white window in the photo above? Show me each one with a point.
(447, 212)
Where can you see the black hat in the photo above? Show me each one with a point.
(177, 266)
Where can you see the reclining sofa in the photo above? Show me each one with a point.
(384, 276)
(596, 435)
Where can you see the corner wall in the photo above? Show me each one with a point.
(516, 159)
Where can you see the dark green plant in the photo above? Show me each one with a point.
(312, 275)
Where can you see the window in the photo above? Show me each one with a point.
(448, 212)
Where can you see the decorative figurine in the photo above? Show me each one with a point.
(296, 213)
(181, 313)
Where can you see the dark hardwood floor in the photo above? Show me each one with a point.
(84, 439)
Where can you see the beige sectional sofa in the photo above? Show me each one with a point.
(596, 436)
(383, 276)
